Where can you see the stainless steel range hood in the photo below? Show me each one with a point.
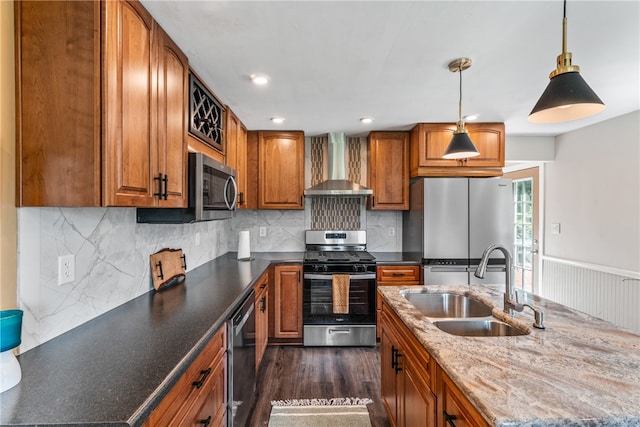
(337, 184)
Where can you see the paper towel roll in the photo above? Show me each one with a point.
(244, 252)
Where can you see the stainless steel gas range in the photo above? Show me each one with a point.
(337, 267)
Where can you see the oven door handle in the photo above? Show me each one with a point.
(328, 276)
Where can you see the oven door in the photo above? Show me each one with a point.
(324, 327)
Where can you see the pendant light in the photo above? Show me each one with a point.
(461, 146)
(568, 96)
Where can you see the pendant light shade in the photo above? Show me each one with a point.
(567, 96)
(461, 146)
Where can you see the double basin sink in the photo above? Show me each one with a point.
(460, 315)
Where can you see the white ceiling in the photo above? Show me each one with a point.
(333, 62)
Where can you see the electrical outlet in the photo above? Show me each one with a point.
(555, 228)
(66, 269)
(263, 231)
(392, 231)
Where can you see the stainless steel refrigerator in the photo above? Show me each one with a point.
(452, 220)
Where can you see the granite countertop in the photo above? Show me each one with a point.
(398, 258)
(579, 371)
(114, 369)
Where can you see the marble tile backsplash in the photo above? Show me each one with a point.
(112, 256)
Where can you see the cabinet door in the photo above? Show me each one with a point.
(281, 170)
(419, 404)
(129, 105)
(262, 317)
(288, 301)
(429, 141)
(489, 140)
(388, 375)
(236, 155)
(389, 170)
(58, 118)
(173, 77)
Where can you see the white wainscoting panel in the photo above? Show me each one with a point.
(608, 296)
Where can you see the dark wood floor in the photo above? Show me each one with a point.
(319, 372)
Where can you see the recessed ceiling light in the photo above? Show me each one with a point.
(259, 79)
(366, 120)
(470, 117)
(277, 120)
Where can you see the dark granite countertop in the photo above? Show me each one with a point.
(114, 369)
(399, 258)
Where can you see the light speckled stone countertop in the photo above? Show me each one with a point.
(579, 371)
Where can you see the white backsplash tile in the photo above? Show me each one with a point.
(112, 256)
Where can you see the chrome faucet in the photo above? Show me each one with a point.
(510, 298)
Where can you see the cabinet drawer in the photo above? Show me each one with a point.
(401, 274)
(209, 406)
(198, 380)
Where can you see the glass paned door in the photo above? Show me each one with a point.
(523, 233)
(525, 226)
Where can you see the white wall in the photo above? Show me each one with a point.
(592, 190)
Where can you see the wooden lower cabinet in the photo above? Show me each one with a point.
(405, 383)
(394, 275)
(415, 390)
(454, 408)
(261, 289)
(198, 398)
(287, 304)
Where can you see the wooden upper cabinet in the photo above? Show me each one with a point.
(101, 99)
(146, 76)
(489, 140)
(430, 140)
(58, 139)
(236, 155)
(280, 170)
(129, 105)
(389, 170)
(173, 83)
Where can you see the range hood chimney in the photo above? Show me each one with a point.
(337, 184)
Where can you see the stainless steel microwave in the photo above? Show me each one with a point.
(212, 195)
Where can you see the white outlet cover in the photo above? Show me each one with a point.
(66, 269)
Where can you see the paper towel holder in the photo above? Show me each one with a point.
(244, 251)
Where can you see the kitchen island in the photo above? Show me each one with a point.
(579, 371)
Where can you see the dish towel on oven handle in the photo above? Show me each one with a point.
(340, 288)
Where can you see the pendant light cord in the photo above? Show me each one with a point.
(564, 27)
(460, 99)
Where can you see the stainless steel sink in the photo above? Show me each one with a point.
(447, 305)
(478, 328)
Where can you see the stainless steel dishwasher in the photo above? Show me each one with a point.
(241, 363)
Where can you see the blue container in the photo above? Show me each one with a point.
(10, 329)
